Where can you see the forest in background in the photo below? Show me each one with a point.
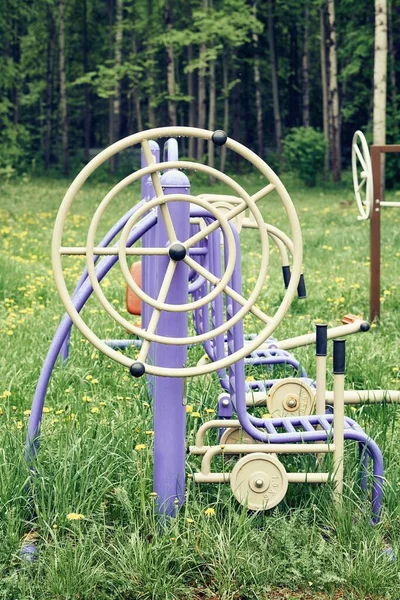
(76, 75)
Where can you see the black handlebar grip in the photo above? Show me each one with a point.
(321, 339)
(339, 357)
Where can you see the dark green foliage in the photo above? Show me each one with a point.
(304, 151)
(30, 120)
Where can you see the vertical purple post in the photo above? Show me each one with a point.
(169, 396)
(148, 265)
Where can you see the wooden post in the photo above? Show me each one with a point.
(375, 235)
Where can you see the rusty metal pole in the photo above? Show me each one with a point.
(375, 235)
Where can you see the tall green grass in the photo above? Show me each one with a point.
(95, 457)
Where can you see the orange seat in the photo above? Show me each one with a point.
(133, 302)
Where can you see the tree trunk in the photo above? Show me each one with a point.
(334, 95)
(225, 125)
(257, 88)
(190, 88)
(380, 67)
(275, 87)
(324, 82)
(63, 88)
(116, 101)
(202, 95)
(211, 118)
(305, 88)
(170, 68)
(49, 87)
(135, 93)
(86, 110)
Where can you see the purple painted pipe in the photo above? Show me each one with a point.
(79, 300)
(169, 392)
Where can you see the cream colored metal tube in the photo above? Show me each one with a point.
(256, 398)
(292, 478)
(338, 431)
(393, 204)
(213, 451)
(225, 423)
(367, 396)
(305, 340)
(320, 392)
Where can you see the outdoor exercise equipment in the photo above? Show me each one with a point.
(369, 192)
(191, 263)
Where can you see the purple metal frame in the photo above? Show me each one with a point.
(169, 393)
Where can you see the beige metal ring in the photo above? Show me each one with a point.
(246, 305)
(154, 134)
(363, 157)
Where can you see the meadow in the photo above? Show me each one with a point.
(91, 511)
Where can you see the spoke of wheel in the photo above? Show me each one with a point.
(363, 180)
(257, 312)
(262, 193)
(155, 177)
(239, 208)
(169, 273)
(360, 157)
(100, 251)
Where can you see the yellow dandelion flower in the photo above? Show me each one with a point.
(266, 416)
(195, 414)
(88, 377)
(189, 520)
(153, 494)
(87, 398)
(149, 432)
(47, 409)
(6, 394)
(209, 512)
(94, 381)
(20, 424)
(209, 411)
(189, 408)
(95, 410)
(27, 413)
(140, 447)
(75, 516)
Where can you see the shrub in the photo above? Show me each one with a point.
(304, 151)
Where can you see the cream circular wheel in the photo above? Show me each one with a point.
(291, 397)
(362, 175)
(176, 251)
(259, 481)
(236, 435)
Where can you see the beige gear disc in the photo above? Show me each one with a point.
(259, 481)
(291, 397)
(236, 435)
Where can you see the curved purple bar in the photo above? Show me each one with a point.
(79, 300)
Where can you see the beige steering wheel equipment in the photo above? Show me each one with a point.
(362, 175)
(176, 250)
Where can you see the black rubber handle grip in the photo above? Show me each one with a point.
(301, 288)
(286, 275)
(339, 357)
(321, 339)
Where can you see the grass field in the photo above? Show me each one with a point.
(96, 460)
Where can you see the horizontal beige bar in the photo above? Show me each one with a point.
(292, 478)
(365, 396)
(267, 448)
(81, 251)
(394, 204)
(305, 340)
